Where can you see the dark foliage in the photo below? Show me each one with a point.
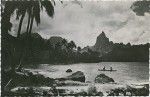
(128, 53)
(15, 51)
(58, 50)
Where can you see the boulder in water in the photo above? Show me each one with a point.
(69, 70)
(102, 78)
(77, 76)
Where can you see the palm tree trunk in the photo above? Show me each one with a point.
(13, 65)
(19, 30)
(21, 59)
(24, 51)
(20, 25)
(29, 34)
(31, 24)
(27, 43)
(29, 19)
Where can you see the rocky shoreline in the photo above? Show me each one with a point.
(30, 83)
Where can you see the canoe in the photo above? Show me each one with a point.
(106, 70)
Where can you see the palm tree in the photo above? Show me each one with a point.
(71, 45)
(78, 54)
(6, 14)
(78, 48)
(34, 12)
(21, 11)
(32, 8)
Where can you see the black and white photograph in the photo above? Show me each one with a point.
(75, 48)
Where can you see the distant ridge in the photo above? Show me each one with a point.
(110, 51)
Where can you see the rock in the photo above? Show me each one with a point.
(77, 76)
(69, 70)
(102, 78)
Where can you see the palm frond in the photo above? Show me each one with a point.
(53, 2)
(10, 7)
(61, 1)
(36, 12)
(48, 7)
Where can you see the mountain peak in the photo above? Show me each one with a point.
(102, 34)
(102, 39)
(102, 44)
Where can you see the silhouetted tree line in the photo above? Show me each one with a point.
(65, 52)
(60, 52)
(44, 51)
(128, 53)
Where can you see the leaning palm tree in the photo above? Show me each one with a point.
(32, 8)
(34, 12)
(78, 48)
(71, 45)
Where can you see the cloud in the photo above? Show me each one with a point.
(135, 31)
(141, 7)
(83, 25)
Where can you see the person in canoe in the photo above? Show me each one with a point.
(104, 68)
(111, 69)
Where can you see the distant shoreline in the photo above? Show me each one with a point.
(81, 63)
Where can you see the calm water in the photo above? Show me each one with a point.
(127, 72)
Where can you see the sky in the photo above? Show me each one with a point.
(83, 21)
